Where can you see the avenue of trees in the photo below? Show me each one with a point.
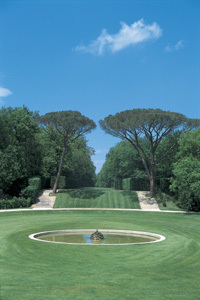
(159, 151)
(151, 125)
(177, 174)
(28, 149)
(65, 127)
(121, 162)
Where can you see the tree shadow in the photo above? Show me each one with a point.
(191, 213)
(131, 195)
(84, 193)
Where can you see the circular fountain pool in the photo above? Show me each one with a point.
(83, 237)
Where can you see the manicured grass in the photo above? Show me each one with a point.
(165, 202)
(35, 270)
(96, 198)
(170, 205)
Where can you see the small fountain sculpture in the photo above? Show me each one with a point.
(97, 236)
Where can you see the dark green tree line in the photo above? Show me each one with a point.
(121, 162)
(68, 126)
(178, 174)
(19, 148)
(185, 183)
(77, 167)
(154, 125)
(27, 150)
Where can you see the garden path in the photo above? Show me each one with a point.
(44, 200)
(146, 202)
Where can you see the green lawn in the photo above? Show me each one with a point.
(96, 198)
(35, 270)
(165, 202)
(170, 205)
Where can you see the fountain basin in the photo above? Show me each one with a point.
(111, 237)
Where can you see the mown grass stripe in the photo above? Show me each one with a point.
(35, 270)
(96, 199)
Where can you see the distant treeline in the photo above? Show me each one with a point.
(27, 151)
(157, 155)
(178, 174)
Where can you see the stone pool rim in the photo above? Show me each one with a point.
(160, 237)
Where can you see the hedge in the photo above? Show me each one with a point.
(15, 203)
(118, 184)
(34, 181)
(32, 190)
(138, 184)
(135, 184)
(126, 184)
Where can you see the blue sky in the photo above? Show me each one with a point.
(100, 58)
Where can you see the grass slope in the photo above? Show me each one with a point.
(96, 198)
(35, 270)
(165, 202)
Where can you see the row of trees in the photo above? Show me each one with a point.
(122, 161)
(177, 174)
(65, 127)
(32, 145)
(154, 134)
(152, 124)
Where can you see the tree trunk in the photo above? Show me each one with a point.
(60, 168)
(152, 180)
(150, 169)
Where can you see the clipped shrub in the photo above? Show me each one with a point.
(15, 203)
(34, 181)
(137, 183)
(25, 202)
(126, 184)
(61, 184)
(140, 181)
(32, 190)
(118, 184)
(4, 204)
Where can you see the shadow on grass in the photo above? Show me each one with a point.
(84, 193)
(192, 213)
(131, 194)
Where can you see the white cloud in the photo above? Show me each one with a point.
(134, 34)
(4, 92)
(175, 47)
